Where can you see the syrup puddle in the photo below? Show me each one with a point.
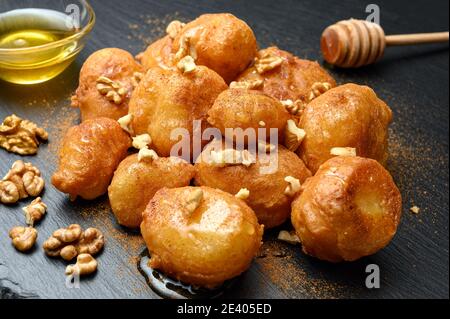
(169, 288)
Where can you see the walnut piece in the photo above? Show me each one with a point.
(147, 154)
(141, 141)
(230, 156)
(343, 151)
(194, 200)
(248, 85)
(318, 89)
(113, 90)
(415, 210)
(184, 48)
(266, 147)
(91, 241)
(289, 237)
(243, 194)
(22, 180)
(23, 238)
(21, 136)
(34, 211)
(174, 28)
(72, 241)
(85, 265)
(267, 63)
(293, 187)
(69, 234)
(293, 136)
(294, 108)
(9, 194)
(125, 122)
(186, 64)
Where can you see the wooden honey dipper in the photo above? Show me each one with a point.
(354, 43)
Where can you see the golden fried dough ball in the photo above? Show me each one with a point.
(268, 180)
(347, 116)
(351, 208)
(241, 108)
(159, 53)
(219, 41)
(89, 154)
(135, 182)
(200, 235)
(168, 99)
(285, 76)
(105, 85)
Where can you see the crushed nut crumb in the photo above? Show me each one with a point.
(231, 156)
(125, 123)
(289, 237)
(248, 85)
(243, 193)
(186, 64)
(343, 151)
(194, 200)
(174, 28)
(293, 136)
(293, 187)
(415, 210)
(295, 107)
(266, 147)
(141, 141)
(183, 49)
(147, 154)
(318, 89)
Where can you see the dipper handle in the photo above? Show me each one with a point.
(416, 38)
(354, 43)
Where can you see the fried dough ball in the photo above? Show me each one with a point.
(135, 182)
(159, 53)
(293, 79)
(241, 108)
(265, 179)
(89, 154)
(349, 115)
(201, 236)
(118, 66)
(168, 99)
(351, 208)
(219, 41)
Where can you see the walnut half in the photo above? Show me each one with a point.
(23, 238)
(21, 136)
(72, 241)
(22, 180)
(114, 91)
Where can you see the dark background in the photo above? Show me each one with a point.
(413, 81)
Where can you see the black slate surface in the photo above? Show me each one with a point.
(412, 80)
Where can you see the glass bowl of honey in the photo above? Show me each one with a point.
(40, 38)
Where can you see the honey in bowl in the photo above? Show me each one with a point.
(36, 45)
